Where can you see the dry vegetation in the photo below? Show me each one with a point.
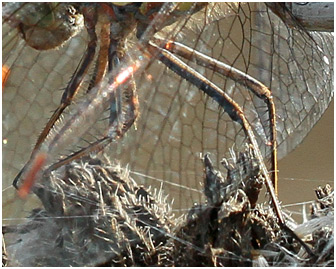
(95, 214)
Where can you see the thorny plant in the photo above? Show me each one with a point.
(115, 88)
(94, 213)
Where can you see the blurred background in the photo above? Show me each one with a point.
(311, 164)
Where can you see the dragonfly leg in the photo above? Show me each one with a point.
(236, 114)
(68, 95)
(255, 86)
(119, 124)
(124, 105)
(74, 85)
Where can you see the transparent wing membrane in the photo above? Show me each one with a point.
(129, 106)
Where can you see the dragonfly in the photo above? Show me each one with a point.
(159, 122)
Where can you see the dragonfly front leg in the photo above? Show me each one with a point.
(124, 107)
(76, 80)
(121, 120)
(123, 113)
(69, 93)
(118, 126)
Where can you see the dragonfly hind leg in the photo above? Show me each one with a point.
(252, 84)
(236, 114)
